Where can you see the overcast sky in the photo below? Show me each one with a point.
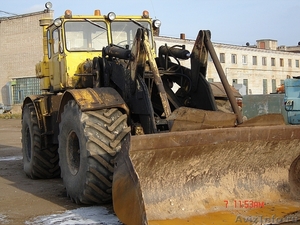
(230, 21)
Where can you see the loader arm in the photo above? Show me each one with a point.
(222, 75)
(200, 86)
(156, 76)
(141, 43)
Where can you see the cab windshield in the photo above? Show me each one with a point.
(123, 32)
(85, 35)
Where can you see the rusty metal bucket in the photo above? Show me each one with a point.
(209, 176)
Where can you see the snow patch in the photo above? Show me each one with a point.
(11, 158)
(86, 215)
(3, 219)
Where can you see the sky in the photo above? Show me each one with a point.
(230, 21)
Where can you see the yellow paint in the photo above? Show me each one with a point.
(267, 214)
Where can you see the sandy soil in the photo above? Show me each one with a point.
(27, 201)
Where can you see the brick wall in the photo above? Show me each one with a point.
(20, 46)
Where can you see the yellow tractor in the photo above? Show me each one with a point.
(113, 127)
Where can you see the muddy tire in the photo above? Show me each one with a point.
(88, 142)
(37, 162)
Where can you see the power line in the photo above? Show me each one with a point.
(153, 9)
(8, 13)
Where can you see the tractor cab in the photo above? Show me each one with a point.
(72, 41)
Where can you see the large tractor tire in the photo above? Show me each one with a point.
(37, 162)
(88, 142)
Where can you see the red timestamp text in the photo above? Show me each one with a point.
(250, 204)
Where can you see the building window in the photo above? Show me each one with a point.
(234, 81)
(233, 58)
(245, 82)
(265, 86)
(297, 63)
(222, 57)
(244, 59)
(264, 61)
(290, 62)
(272, 61)
(274, 87)
(254, 60)
(210, 80)
(281, 62)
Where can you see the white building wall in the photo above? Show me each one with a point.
(246, 72)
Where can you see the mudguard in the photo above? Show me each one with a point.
(94, 99)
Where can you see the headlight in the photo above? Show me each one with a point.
(48, 5)
(156, 23)
(57, 22)
(111, 16)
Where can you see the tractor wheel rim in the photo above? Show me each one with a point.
(28, 144)
(73, 153)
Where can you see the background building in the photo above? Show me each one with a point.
(258, 69)
(20, 49)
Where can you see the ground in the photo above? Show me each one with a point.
(23, 200)
(43, 202)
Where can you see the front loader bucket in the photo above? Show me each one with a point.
(211, 176)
